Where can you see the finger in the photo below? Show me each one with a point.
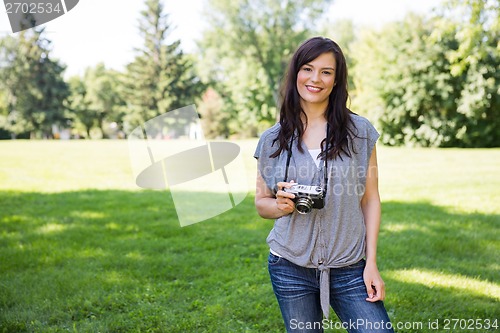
(380, 287)
(282, 185)
(285, 209)
(285, 205)
(283, 194)
(285, 201)
(376, 297)
(378, 292)
(370, 291)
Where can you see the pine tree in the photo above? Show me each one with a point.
(161, 77)
(34, 84)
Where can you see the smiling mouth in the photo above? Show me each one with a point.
(313, 89)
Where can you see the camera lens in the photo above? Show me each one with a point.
(303, 205)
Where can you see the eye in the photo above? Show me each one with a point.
(327, 73)
(307, 69)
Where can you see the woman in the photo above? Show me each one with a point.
(323, 248)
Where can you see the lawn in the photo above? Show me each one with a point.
(82, 249)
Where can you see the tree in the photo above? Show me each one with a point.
(96, 99)
(342, 32)
(81, 112)
(425, 87)
(161, 77)
(7, 121)
(214, 122)
(475, 61)
(245, 51)
(103, 94)
(34, 84)
(404, 82)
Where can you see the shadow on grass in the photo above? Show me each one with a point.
(423, 236)
(119, 261)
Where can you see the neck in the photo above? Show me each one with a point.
(315, 113)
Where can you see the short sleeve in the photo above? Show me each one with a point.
(372, 136)
(266, 164)
(266, 145)
(364, 141)
(258, 150)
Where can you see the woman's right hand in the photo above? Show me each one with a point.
(284, 199)
(272, 205)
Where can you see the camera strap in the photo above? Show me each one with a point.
(288, 158)
(325, 160)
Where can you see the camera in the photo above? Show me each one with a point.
(307, 197)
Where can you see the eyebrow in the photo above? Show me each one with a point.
(330, 68)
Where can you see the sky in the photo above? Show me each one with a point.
(107, 30)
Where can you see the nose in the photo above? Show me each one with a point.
(315, 76)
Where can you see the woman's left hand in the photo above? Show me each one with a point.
(375, 286)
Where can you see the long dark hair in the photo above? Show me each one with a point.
(337, 114)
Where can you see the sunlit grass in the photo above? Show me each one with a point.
(82, 249)
(466, 180)
(454, 282)
(56, 166)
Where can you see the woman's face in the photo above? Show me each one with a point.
(316, 79)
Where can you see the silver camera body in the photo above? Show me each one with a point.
(307, 197)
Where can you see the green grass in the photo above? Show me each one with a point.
(83, 250)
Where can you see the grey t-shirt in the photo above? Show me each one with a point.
(326, 238)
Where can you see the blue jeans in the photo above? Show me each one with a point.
(297, 291)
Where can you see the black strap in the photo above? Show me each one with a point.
(325, 170)
(325, 161)
(288, 158)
